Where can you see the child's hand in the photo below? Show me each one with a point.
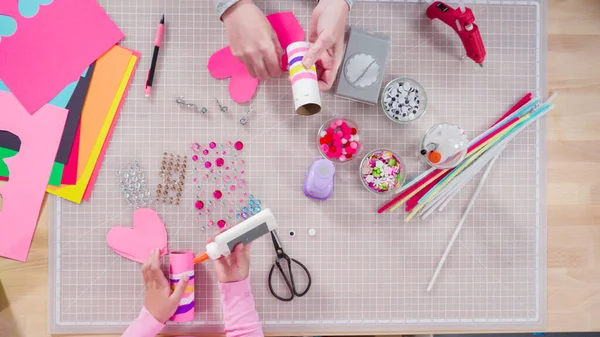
(236, 266)
(159, 301)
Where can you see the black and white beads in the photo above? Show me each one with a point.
(403, 100)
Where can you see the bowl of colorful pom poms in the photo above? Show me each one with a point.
(382, 171)
(339, 140)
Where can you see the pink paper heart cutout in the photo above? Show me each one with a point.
(148, 233)
(222, 64)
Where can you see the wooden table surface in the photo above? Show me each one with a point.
(573, 191)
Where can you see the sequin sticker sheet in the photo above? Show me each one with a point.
(219, 183)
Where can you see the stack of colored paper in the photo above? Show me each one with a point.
(62, 84)
(94, 103)
(110, 80)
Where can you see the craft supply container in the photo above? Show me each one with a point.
(395, 87)
(355, 137)
(449, 141)
(399, 179)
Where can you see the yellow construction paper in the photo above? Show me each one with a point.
(76, 192)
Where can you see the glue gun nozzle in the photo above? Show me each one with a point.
(481, 64)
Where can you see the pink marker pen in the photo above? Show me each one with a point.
(157, 43)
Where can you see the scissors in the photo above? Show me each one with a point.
(289, 281)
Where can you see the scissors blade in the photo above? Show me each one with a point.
(276, 242)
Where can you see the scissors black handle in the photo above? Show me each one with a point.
(291, 285)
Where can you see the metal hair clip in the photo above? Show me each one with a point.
(181, 101)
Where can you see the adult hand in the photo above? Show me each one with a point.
(326, 33)
(236, 266)
(158, 300)
(252, 39)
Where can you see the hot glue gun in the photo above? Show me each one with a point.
(462, 21)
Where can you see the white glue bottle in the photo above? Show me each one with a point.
(246, 232)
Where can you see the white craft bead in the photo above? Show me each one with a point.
(312, 232)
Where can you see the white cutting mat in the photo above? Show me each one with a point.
(370, 271)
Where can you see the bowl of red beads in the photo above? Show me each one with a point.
(339, 140)
(382, 171)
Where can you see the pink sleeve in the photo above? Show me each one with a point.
(144, 326)
(241, 318)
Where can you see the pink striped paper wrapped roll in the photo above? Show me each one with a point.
(181, 263)
(305, 86)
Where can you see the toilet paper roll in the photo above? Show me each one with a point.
(181, 264)
(305, 86)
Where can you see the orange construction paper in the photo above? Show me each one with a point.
(105, 81)
(119, 100)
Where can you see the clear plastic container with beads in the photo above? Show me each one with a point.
(443, 146)
(339, 140)
(382, 171)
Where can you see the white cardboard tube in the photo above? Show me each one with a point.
(305, 87)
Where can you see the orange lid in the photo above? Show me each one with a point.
(201, 258)
(434, 157)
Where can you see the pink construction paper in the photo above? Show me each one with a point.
(53, 48)
(94, 177)
(222, 64)
(288, 31)
(148, 233)
(30, 170)
(70, 171)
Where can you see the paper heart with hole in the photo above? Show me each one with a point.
(242, 86)
(148, 233)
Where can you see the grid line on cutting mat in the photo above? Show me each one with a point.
(370, 272)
